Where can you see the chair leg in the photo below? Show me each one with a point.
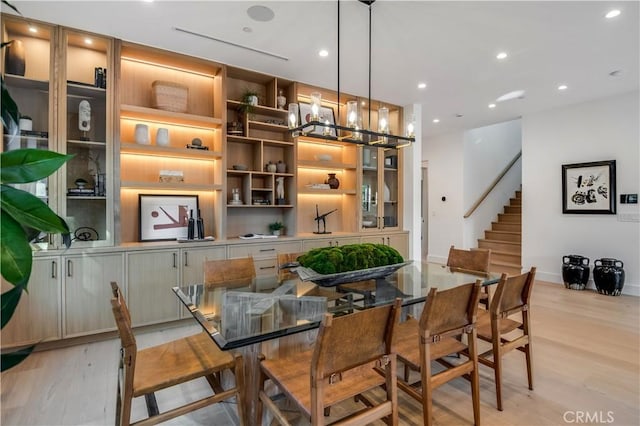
(119, 407)
(475, 379)
(527, 348)
(238, 372)
(425, 375)
(152, 404)
(497, 363)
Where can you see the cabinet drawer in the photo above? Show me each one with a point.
(266, 267)
(264, 250)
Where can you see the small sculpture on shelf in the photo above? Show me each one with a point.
(281, 99)
(323, 218)
(280, 191)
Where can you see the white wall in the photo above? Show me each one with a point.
(446, 226)
(412, 176)
(605, 129)
(487, 151)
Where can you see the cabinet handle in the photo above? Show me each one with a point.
(175, 257)
(271, 249)
(53, 269)
(186, 258)
(389, 241)
(69, 266)
(268, 267)
(50, 238)
(382, 238)
(330, 244)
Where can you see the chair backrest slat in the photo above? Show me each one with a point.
(229, 272)
(444, 312)
(347, 341)
(477, 260)
(283, 259)
(512, 293)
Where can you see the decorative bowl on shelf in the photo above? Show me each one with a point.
(324, 157)
(241, 167)
(367, 223)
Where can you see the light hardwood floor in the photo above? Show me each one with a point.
(586, 358)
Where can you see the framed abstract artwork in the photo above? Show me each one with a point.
(165, 217)
(589, 188)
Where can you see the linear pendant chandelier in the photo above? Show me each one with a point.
(352, 132)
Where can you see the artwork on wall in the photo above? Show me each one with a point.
(589, 187)
(165, 217)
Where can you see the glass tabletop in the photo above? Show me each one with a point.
(238, 317)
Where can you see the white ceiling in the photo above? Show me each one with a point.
(450, 45)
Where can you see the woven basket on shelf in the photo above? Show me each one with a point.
(169, 96)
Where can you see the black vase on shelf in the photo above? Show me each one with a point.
(608, 275)
(14, 58)
(333, 181)
(575, 271)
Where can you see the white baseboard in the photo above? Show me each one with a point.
(631, 289)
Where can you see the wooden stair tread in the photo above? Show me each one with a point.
(513, 243)
(507, 264)
(505, 232)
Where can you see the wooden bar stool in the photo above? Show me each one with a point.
(512, 296)
(143, 372)
(352, 354)
(446, 316)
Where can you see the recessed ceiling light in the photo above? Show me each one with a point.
(260, 13)
(492, 105)
(436, 120)
(501, 55)
(247, 29)
(323, 53)
(422, 85)
(562, 87)
(615, 73)
(33, 29)
(511, 95)
(612, 13)
(88, 41)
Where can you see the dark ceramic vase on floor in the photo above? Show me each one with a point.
(575, 271)
(608, 274)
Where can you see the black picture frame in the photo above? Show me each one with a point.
(165, 217)
(326, 113)
(589, 188)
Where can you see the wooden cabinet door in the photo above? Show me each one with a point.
(192, 260)
(37, 317)
(87, 292)
(150, 276)
(399, 241)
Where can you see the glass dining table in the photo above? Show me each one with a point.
(237, 317)
(286, 320)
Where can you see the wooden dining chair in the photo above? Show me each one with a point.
(352, 355)
(229, 273)
(512, 297)
(474, 261)
(146, 371)
(446, 316)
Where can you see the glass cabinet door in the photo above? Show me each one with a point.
(380, 188)
(370, 171)
(85, 132)
(27, 73)
(391, 188)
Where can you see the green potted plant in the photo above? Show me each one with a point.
(23, 214)
(248, 101)
(276, 228)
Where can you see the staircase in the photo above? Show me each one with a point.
(505, 238)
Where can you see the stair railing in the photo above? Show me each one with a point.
(492, 185)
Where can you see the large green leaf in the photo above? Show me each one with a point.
(10, 301)
(12, 359)
(29, 165)
(30, 211)
(10, 113)
(16, 255)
